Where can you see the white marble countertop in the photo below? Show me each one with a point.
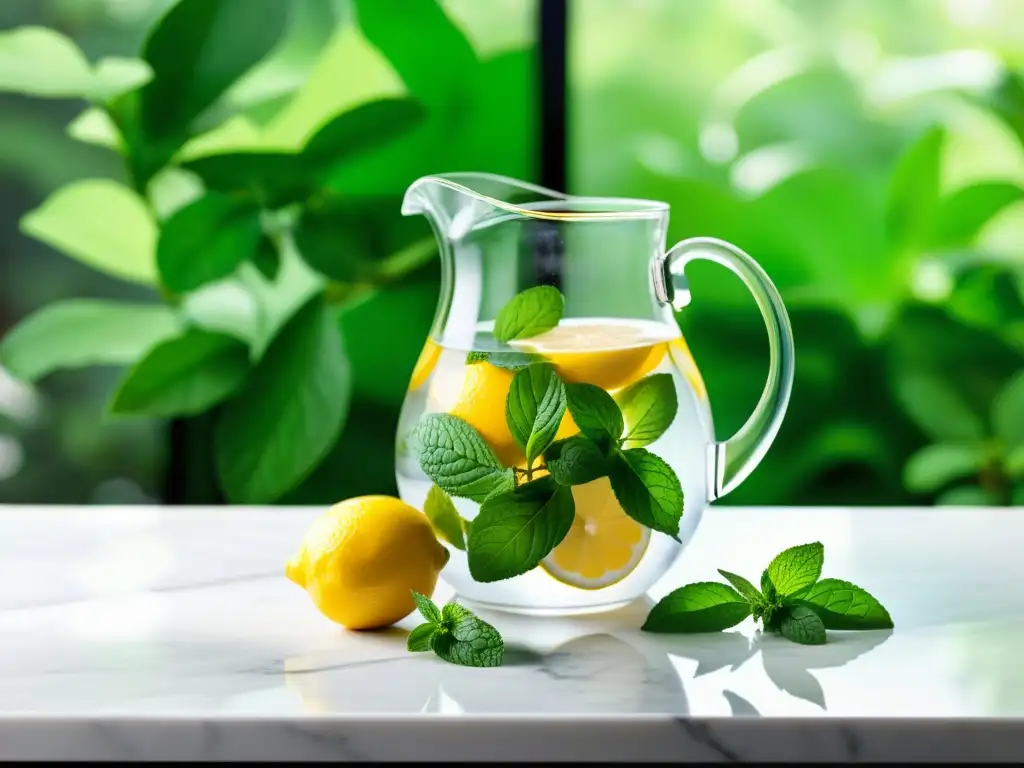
(147, 633)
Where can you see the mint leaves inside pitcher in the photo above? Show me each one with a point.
(527, 507)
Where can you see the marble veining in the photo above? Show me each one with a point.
(163, 633)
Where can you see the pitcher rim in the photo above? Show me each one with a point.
(629, 207)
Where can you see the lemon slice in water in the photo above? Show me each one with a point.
(604, 544)
(608, 353)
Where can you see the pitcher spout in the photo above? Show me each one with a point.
(457, 202)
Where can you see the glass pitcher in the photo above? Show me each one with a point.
(512, 375)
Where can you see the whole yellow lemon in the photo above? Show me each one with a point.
(360, 559)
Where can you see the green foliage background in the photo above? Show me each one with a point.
(869, 154)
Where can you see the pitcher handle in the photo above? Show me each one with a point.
(731, 461)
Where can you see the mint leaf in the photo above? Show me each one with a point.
(842, 605)
(534, 408)
(744, 587)
(530, 313)
(444, 518)
(575, 461)
(595, 411)
(517, 529)
(461, 638)
(486, 649)
(510, 360)
(796, 568)
(457, 459)
(649, 406)
(426, 607)
(771, 596)
(647, 489)
(802, 625)
(702, 607)
(419, 639)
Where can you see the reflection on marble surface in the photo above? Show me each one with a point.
(176, 632)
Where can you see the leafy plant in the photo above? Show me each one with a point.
(263, 250)
(456, 635)
(793, 601)
(524, 514)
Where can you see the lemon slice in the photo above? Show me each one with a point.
(683, 360)
(424, 365)
(604, 544)
(603, 352)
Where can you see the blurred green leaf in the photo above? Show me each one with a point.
(938, 409)
(987, 296)
(102, 224)
(395, 318)
(429, 52)
(962, 214)
(207, 240)
(172, 189)
(266, 259)
(276, 178)
(1008, 413)
(968, 496)
(261, 92)
(279, 427)
(197, 50)
(42, 62)
(355, 239)
(497, 130)
(272, 178)
(183, 376)
(115, 75)
(939, 464)
(1007, 101)
(76, 333)
(337, 251)
(820, 235)
(367, 442)
(968, 363)
(913, 195)
(1015, 462)
(357, 130)
(94, 126)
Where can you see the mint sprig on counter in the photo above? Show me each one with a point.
(455, 634)
(793, 601)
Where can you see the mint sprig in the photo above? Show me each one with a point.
(517, 529)
(455, 634)
(458, 459)
(534, 408)
(523, 517)
(649, 407)
(792, 601)
(529, 313)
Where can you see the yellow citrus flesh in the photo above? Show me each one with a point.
(359, 560)
(428, 358)
(607, 354)
(683, 360)
(604, 544)
(482, 405)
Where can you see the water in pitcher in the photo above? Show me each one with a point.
(607, 558)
